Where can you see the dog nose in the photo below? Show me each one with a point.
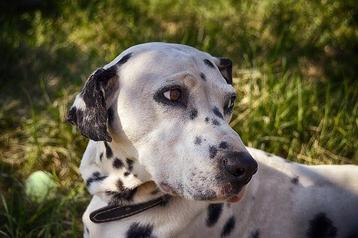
(240, 165)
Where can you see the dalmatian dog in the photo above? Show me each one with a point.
(162, 160)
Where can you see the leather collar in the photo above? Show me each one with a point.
(116, 212)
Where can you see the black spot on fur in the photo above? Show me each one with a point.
(207, 119)
(96, 176)
(268, 154)
(124, 59)
(118, 197)
(214, 212)
(215, 122)
(228, 227)
(193, 114)
(202, 75)
(197, 140)
(223, 145)
(321, 226)
(255, 234)
(109, 152)
(212, 151)
(130, 164)
(126, 174)
(101, 156)
(117, 163)
(295, 180)
(217, 112)
(137, 230)
(208, 63)
(87, 230)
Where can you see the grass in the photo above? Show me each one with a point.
(295, 73)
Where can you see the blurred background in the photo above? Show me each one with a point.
(295, 69)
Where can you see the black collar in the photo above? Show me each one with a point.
(116, 212)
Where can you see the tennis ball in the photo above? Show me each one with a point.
(40, 186)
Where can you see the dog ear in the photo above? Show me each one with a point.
(89, 111)
(225, 67)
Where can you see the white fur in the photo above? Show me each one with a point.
(160, 141)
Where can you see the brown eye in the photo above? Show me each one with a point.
(172, 94)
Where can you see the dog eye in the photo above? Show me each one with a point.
(230, 105)
(172, 94)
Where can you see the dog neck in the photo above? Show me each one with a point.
(120, 184)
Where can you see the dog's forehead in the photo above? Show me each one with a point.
(163, 59)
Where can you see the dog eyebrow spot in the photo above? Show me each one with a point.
(228, 227)
(109, 152)
(197, 140)
(117, 163)
(202, 76)
(124, 59)
(208, 63)
(214, 212)
(223, 145)
(193, 114)
(217, 112)
(212, 151)
(207, 119)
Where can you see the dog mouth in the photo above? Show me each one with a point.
(236, 198)
(231, 193)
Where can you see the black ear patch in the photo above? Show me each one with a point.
(89, 111)
(225, 67)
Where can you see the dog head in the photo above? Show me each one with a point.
(172, 103)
